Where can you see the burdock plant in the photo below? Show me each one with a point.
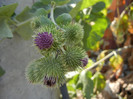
(60, 47)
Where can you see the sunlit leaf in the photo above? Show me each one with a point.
(130, 13)
(101, 56)
(99, 81)
(85, 4)
(71, 84)
(94, 32)
(116, 62)
(90, 63)
(130, 27)
(86, 84)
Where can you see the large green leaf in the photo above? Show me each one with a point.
(94, 30)
(5, 30)
(71, 85)
(86, 84)
(27, 14)
(8, 10)
(85, 4)
(62, 9)
(24, 29)
(2, 72)
(24, 15)
(99, 81)
(87, 29)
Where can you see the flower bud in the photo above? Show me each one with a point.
(84, 62)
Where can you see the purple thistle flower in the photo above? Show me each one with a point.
(49, 81)
(84, 62)
(44, 40)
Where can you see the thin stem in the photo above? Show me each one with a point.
(19, 24)
(52, 17)
(107, 56)
(58, 51)
(63, 89)
(124, 11)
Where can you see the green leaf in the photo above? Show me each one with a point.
(41, 22)
(99, 81)
(95, 30)
(86, 84)
(41, 11)
(87, 29)
(82, 5)
(90, 63)
(24, 29)
(2, 72)
(62, 9)
(85, 4)
(8, 10)
(61, 2)
(38, 5)
(24, 15)
(71, 85)
(116, 62)
(98, 7)
(5, 30)
(64, 19)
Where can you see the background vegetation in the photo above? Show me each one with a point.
(108, 28)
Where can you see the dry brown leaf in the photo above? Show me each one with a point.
(127, 53)
(130, 61)
(130, 27)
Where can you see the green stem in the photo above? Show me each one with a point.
(52, 17)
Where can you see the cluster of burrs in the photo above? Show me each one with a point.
(61, 50)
